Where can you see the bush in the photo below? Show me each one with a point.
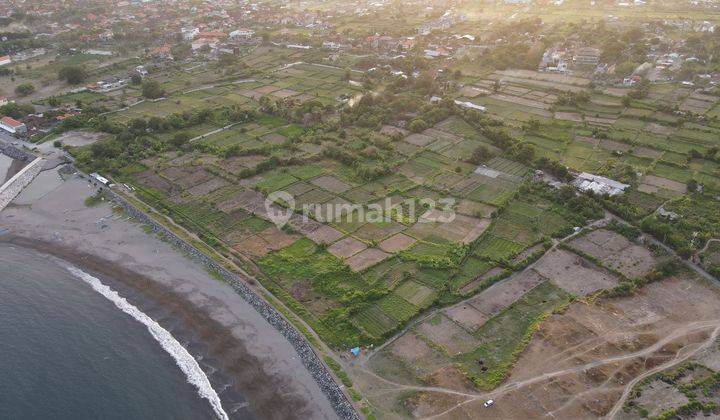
(74, 75)
(417, 125)
(25, 89)
(151, 89)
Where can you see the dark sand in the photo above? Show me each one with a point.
(253, 360)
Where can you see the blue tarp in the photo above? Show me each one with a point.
(355, 351)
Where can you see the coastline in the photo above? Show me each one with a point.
(155, 276)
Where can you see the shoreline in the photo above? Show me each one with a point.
(268, 367)
(189, 325)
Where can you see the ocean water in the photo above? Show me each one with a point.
(71, 348)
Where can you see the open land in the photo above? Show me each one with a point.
(434, 221)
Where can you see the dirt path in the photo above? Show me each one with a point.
(685, 330)
(707, 244)
(677, 360)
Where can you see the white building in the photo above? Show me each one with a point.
(105, 53)
(141, 71)
(599, 184)
(189, 34)
(12, 125)
(241, 33)
(470, 105)
(100, 178)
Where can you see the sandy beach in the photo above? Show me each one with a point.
(50, 216)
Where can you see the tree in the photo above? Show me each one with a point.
(226, 59)
(16, 110)
(74, 75)
(136, 79)
(180, 51)
(480, 155)
(25, 89)
(151, 89)
(417, 125)
(179, 139)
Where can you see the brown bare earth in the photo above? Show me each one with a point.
(396, 243)
(366, 258)
(617, 252)
(574, 274)
(664, 183)
(346, 247)
(581, 363)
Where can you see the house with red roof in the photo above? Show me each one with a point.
(12, 126)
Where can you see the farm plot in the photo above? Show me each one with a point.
(472, 269)
(653, 184)
(449, 227)
(416, 293)
(502, 337)
(574, 274)
(698, 103)
(550, 77)
(445, 333)
(617, 252)
(514, 169)
(493, 191)
(607, 328)
(499, 296)
(497, 249)
(521, 101)
(366, 259)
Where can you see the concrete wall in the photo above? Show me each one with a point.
(15, 153)
(17, 183)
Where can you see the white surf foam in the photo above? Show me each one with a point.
(182, 357)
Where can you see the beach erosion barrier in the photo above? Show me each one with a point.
(320, 373)
(10, 189)
(15, 153)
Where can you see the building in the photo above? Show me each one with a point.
(553, 61)
(12, 125)
(470, 105)
(598, 184)
(141, 71)
(189, 34)
(241, 34)
(587, 56)
(109, 83)
(100, 178)
(5, 60)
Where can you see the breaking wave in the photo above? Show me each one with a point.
(184, 360)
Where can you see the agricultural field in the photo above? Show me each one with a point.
(511, 339)
(404, 241)
(662, 156)
(447, 242)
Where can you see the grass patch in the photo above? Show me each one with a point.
(506, 335)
